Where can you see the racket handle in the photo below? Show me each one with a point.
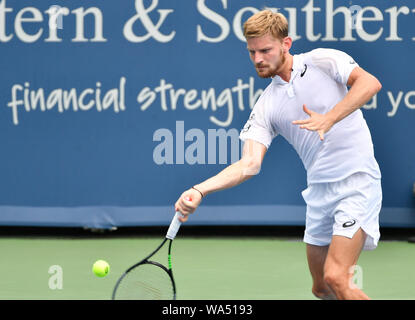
(174, 226)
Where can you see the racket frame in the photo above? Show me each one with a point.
(147, 261)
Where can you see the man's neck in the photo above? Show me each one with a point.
(286, 68)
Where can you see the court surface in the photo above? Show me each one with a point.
(206, 268)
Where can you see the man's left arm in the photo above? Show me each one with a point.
(363, 86)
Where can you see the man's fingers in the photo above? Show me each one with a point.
(186, 202)
(177, 206)
(311, 128)
(306, 110)
(314, 128)
(301, 121)
(184, 205)
(184, 217)
(183, 211)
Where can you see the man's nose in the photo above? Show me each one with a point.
(258, 58)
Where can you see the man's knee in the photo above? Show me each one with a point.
(336, 278)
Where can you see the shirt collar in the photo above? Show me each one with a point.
(296, 68)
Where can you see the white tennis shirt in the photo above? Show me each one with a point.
(318, 80)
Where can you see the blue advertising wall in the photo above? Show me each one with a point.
(109, 110)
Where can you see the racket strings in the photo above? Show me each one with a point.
(146, 282)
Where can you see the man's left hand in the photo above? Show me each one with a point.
(317, 122)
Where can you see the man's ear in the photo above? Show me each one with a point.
(287, 43)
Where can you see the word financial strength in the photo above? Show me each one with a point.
(156, 22)
(164, 97)
(168, 98)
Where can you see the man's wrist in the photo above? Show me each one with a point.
(198, 190)
(332, 117)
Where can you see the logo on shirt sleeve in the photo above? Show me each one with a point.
(246, 127)
(248, 124)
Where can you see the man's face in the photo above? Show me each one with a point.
(267, 54)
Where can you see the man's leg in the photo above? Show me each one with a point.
(316, 256)
(342, 255)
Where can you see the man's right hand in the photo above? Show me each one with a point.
(187, 203)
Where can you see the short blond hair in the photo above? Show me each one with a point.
(266, 22)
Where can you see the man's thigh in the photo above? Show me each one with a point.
(344, 252)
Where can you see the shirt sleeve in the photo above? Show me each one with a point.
(258, 127)
(335, 63)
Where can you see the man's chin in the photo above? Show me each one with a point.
(264, 75)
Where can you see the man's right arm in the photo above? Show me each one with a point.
(249, 165)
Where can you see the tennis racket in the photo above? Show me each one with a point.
(150, 280)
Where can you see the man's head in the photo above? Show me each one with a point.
(266, 33)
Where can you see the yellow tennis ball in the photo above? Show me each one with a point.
(101, 268)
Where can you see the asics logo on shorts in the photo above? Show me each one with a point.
(349, 223)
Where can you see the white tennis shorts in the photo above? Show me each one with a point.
(341, 208)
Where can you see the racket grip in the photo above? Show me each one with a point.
(174, 226)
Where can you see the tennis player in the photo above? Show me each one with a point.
(308, 103)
